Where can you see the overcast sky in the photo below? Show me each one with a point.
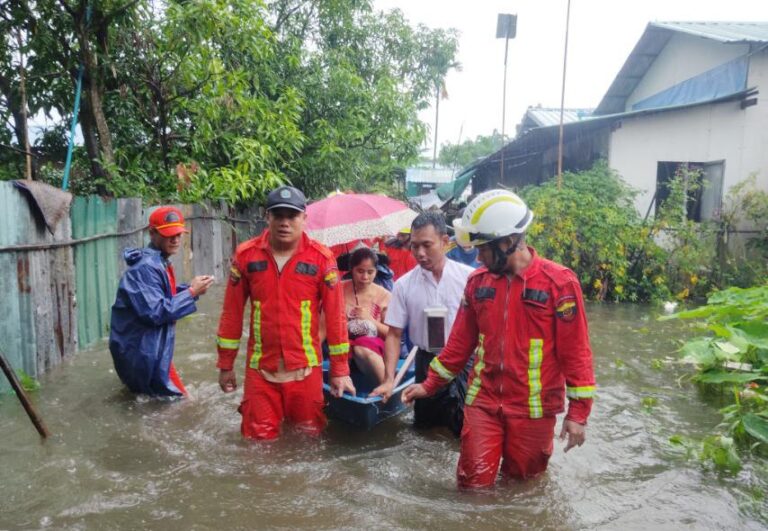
(602, 34)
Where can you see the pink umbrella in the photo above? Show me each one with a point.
(345, 217)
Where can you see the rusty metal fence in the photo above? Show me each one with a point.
(56, 290)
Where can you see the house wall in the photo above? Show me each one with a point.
(705, 133)
(683, 57)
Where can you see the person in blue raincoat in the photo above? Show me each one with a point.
(147, 306)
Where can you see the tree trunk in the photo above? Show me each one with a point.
(92, 111)
(91, 141)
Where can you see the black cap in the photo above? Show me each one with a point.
(287, 197)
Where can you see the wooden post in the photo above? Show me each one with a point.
(23, 398)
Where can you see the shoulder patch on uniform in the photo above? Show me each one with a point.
(254, 267)
(566, 308)
(305, 268)
(234, 275)
(331, 277)
(535, 295)
(485, 293)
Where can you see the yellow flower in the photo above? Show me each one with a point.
(597, 284)
(619, 289)
(694, 280)
(683, 294)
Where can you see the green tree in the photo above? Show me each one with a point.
(460, 155)
(225, 99)
(363, 77)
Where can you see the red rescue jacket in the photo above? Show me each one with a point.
(531, 341)
(285, 308)
(401, 259)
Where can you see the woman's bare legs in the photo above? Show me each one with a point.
(369, 363)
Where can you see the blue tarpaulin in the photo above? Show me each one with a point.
(723, 80)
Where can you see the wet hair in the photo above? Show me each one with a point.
(362, 254)
(435, 219)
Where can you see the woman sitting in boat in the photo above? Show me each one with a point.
(366, 306)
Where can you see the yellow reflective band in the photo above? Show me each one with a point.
(338, 350)
(306, 333)
(588, 391)
(535, 356)
(474, 388)
(565, 306)
(437, 366)
(231, 344)
(484, 206)
(256, 331)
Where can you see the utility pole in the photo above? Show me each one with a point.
(562, 102)
(506, 28)
(437, 117)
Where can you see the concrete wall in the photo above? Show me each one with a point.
(683, 57)
(707, 133)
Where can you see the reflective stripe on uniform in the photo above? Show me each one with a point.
(231, 344)
(437, 366)
(306, 333)
(479, 366)
(338, 350)
(587, 391)
(256, 326)
(535, 356)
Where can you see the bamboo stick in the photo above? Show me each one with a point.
(23, 398)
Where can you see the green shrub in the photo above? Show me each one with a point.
(733, 357)
(590, 224)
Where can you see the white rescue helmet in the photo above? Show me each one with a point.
(491, 215)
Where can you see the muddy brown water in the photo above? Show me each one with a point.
(120, 462)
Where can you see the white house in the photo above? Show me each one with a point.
(690, 92)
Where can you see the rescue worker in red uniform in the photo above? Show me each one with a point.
(524, 317)
(288, 279)
(398, 250)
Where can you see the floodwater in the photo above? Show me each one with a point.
(118, 462)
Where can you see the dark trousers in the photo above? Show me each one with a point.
(446, 408)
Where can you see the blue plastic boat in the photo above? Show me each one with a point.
(360, 410)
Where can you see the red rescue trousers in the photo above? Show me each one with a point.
(176, 380)
(265, 405)
(526, 445)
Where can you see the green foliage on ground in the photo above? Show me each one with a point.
(733, 358)
(27, 382)
(589, 223)
(214, 99)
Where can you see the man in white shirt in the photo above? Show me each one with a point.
(431, 292)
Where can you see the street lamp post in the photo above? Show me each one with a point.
(506, 28)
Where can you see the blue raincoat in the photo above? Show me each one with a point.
(143, 327)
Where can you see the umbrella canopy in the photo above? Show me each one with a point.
(345, 217)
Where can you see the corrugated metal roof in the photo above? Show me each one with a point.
(544, 116)
(730, 32)
(429, 175)
(655, 38)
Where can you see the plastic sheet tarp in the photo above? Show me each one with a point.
(726, 79)
(142, 332)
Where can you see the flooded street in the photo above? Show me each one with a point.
(117, 462)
